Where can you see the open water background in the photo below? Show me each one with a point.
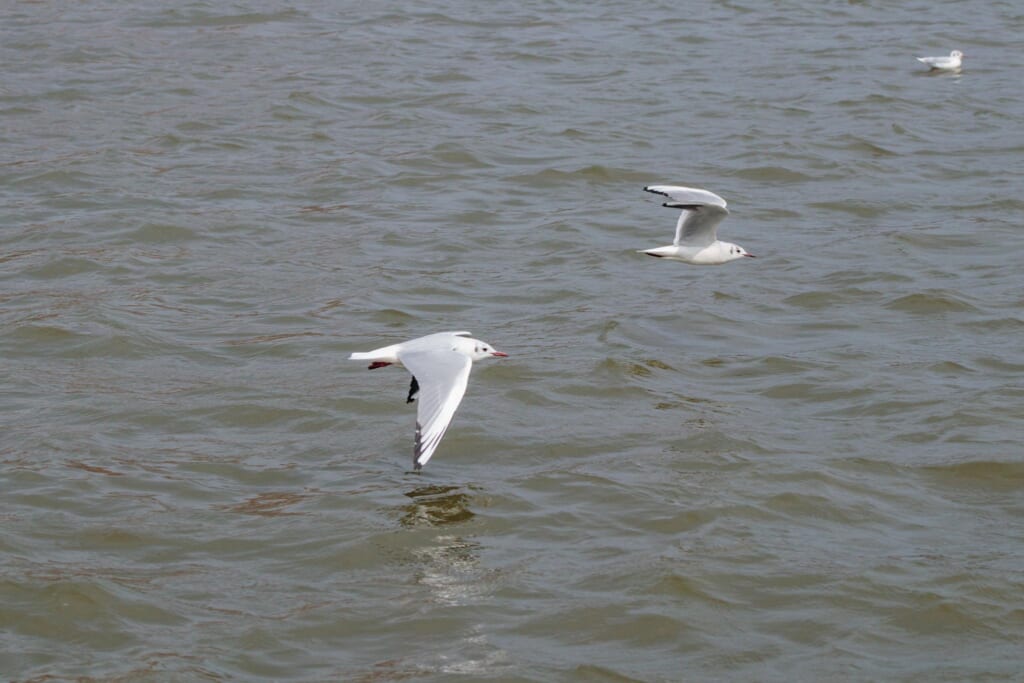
(803, 467)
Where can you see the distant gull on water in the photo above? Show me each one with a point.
(950, 63)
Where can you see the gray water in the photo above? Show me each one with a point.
(803, 467)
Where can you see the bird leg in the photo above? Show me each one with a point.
(413, 388)
(378, 364)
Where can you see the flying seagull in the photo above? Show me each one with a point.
(440, 365)
(695, 240)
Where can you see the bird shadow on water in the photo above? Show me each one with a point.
(447, 562)
(436, 506)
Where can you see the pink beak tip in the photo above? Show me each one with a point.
(499, 354)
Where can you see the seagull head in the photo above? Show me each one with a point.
(735, 251)
(478, 350)
(956, 54)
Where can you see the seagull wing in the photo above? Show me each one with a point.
(702, 212)
(940, 62)
(431, 341)
(686, 195)
(442, 375)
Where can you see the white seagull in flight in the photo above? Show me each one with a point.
(695, 240)
(441, 363)
(950, 63)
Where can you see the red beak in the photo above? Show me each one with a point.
(499, 354)
(750, 255)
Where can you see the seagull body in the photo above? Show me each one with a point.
(696, 240)
(440, 365)
(950, 63)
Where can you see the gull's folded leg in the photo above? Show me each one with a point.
(414, 387)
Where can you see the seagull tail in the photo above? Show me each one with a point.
(659, 252)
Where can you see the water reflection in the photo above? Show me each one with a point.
(436, 506)
(447, 564)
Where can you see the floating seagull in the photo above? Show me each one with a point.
(442, 363)
(950, 63)
(695, 240)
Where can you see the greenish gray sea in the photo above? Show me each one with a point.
(804, 467)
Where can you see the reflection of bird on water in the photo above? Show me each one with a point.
(437, 506)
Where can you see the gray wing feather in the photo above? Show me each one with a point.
(698, 225)
(686, 195)
(702, 212)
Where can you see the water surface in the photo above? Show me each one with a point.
(802, 467)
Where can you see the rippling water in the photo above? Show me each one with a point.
(805, 467)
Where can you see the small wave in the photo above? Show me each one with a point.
(770, 174)
(860, 209)
(158, 233)
(271, 504)
(868, 147)
(935, 301)
(178, 17)
(994, 474)
(594, 172)
(826, 299)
